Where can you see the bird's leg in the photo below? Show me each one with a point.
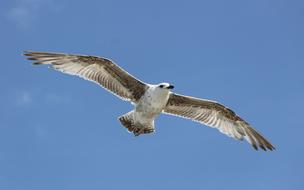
(137, 131)
(136, 134)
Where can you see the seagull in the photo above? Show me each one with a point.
(150, 100)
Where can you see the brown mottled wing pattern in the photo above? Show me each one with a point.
(215, 115)
(99, 70)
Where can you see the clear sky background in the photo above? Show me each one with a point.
(61, 132)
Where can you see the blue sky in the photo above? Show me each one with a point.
(61, 132)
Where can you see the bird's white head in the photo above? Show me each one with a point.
(165, 85)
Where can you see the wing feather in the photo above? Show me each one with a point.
(96, 69)
(217, 116)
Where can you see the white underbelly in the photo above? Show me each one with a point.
(146, 112)
(150, 107)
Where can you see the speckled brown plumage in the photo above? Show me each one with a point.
(215, 115)
(113, 78)
(96, 69)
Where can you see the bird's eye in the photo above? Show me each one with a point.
(161, 86)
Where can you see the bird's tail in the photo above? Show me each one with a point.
(127, 120)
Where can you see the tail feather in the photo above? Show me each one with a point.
(128, 122)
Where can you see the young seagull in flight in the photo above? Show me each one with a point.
(150, 100)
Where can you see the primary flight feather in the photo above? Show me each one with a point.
(150, 100)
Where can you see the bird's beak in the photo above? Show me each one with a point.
(170, 87)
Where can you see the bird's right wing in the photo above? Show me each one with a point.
(215, 115)
(99, 70)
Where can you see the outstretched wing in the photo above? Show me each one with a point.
(99, 70)
(215, 115)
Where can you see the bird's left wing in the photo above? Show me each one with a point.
(215, 115)
(99, 70)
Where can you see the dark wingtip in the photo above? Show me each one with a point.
(265, 148)
(31, 58)
(272, 148)
(27, 53)
(262, 147)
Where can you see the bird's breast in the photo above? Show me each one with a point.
(153, 102)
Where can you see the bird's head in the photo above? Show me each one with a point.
(165, 85)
